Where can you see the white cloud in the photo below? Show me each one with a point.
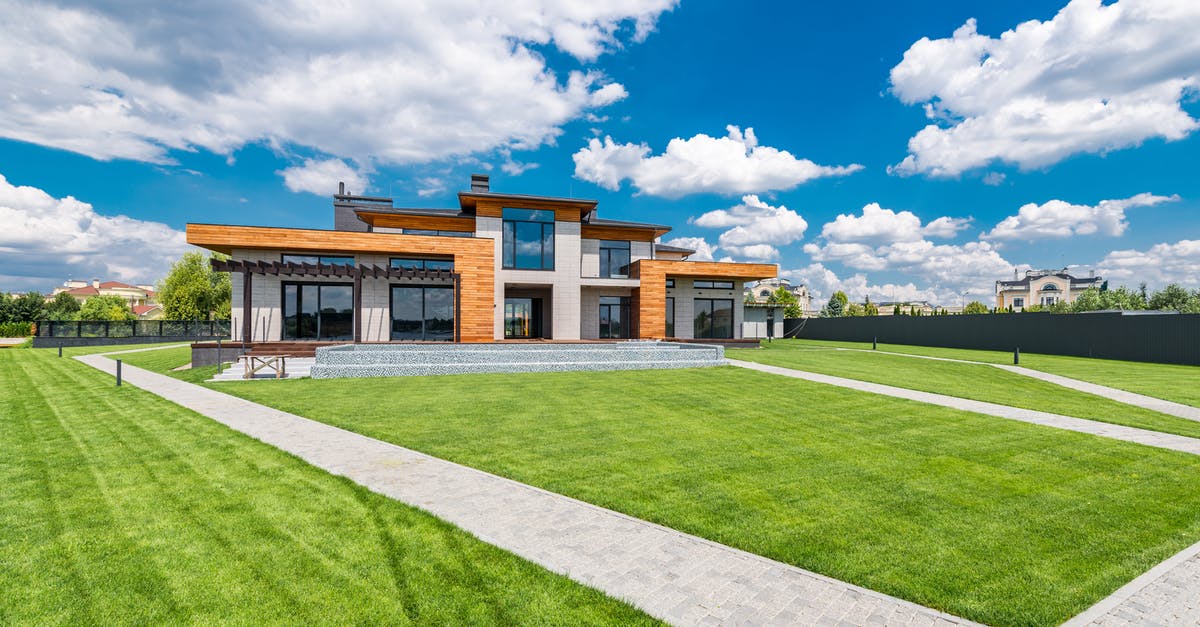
(994, 178)
(879, 225)
(823, 282)
(400, 82)
(321, 177)
(704, 250)
(1095, 78)
(1159, 265)
(734, 164)
(753, 252)
(754, 228)
(430, 185)
(1057, 219)
(47, 240)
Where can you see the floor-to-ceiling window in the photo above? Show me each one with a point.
(522, 317)
(614, 259)
(422, 313)
(714, 318)
(318, 311)
(670, 317)
(614, 317)
(528, 239)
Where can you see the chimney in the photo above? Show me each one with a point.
(479, 183)
(341, 188)
(96, 283)
(1016, 276)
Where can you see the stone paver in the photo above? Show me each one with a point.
(674, 576)
(1168, 594)
(1104, 429)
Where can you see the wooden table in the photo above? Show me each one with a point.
(254, 363)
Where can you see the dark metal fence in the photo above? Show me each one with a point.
(1156, 337)
(167, 329)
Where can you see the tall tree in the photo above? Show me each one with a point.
(869, 308)
(193, 291)
(109, 307)
(1172, 297)
(836, 307)
(791, 306)
(62, 307)
(29, 307)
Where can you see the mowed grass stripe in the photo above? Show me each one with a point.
(119, 507)
(1171, 382)
(998, 521)
(972, 381)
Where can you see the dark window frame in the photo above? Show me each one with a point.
(670, 317)
(283, 301)
(624, 319)
(706, 284)
(696, 309)
(607, 249)
(670, 283)
(424, 262)
(508, 237)
(283, 258)
(424, 313)
(437, 233)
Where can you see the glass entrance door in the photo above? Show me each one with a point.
(518, 318)
(614, 317)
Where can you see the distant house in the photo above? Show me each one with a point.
(139, 297)
(887, 308)
(761, 291)
(1042, 287)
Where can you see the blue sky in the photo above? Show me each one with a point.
(898, 150)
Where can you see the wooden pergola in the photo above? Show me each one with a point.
(355, 272)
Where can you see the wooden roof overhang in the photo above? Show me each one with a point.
(417, 220)
(707, 269)
(365, 271)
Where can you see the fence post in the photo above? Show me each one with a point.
(78, 328)
(875, 343)
(1017, 356)
(60, 349)
(218, 355)
(160, 323)
(118, 373)
(106, 328)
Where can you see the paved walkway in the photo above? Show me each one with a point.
(1104, 429)
(676, 577)
(1152, 403)
(1168, 594)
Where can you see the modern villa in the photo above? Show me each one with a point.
(497, 267)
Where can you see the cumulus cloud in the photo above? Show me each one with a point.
(46, 240)
(734, 164)
(321, 177)
(1095, 78)
(878, 225)
(823, 282)
(400, 82)
(1057, 219)
(754, 228)
(1157, 266)
(704, 250)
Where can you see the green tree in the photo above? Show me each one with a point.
(855, 310)
(791, 306)
(110, 307)
(1172, 297)
(193, 291)
(5, 307)
(29, 307)
(63, 307)
(896, 311)
(836, 307)
(975, 307)
(869, 308)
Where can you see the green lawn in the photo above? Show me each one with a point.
(995, 520)
(117, 507)
(1168, 381)
(974, 381)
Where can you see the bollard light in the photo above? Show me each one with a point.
(118, 373)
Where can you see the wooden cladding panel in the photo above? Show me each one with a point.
(494, 208)
(650, 300)
(429, 223)
(474, 259)
(619, 233)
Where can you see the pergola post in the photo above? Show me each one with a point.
(357, 307)
(247, 327)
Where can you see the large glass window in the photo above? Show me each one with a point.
(713, 285)
(614, 317)
(714, 318)
(614, 259)
(423, 313)
(670, 317)
(321, 259)
(422, 264)
(438, 233)
(313, 311)
(528, 239)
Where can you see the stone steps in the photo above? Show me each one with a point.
(365, 360)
